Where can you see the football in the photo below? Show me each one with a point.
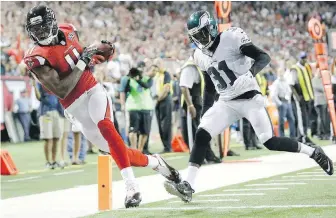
(106, 48)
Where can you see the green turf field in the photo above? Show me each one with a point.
(34, 178)
(308, 198)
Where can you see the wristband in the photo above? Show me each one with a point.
(81, 65)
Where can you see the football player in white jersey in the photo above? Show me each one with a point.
(231, 62)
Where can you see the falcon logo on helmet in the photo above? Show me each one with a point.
(41, 25)
(202, 29)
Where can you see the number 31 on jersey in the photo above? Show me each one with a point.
(222, 75)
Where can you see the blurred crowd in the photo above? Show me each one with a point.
(151, 37)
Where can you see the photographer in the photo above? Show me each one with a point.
(136, 99)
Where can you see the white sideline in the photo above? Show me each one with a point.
(83, 199)
(230, 208)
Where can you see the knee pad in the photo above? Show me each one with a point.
(202, 135)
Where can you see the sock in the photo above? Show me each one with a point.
(116, 145)
(305, 149)
(191, 176)
(127, 174)
(152, 161)
(202, 140)
(137, 158)
(282, 144)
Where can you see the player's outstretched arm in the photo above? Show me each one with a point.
(260, 57)
(209, 94)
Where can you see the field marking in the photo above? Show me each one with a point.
(174, 158)
(304, 176)
(68, 172)
(276, 184)
(298, 180)
(227, 208)
(23, 179)
(312, 173)
(255, 189)
(210, 200)
(37, 205)
(233, 194)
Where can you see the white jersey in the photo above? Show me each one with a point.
(228, 68)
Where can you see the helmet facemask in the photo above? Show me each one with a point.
(43, 30)
(204, 35)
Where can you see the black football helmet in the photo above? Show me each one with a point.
(41, 24)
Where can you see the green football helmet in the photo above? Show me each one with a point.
(202, 29)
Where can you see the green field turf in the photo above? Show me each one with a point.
(313, 192)
(34, 178)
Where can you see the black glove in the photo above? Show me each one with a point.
(88, 53)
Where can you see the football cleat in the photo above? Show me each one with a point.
(323, 160)
(167, 171)
(133, 196)
(182, 190)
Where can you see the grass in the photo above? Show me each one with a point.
(29, 159)
(312, 193)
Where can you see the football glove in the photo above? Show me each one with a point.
(90, 53)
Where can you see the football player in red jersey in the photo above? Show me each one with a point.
(60, 64)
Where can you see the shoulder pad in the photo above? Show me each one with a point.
(67, 26)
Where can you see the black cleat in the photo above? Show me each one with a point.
(182, 190)
(323, 160)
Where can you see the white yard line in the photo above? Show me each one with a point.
(276, 184)
(233, 194)
(313, 173)
(68, 172)
(230, 207)
(56, 203)
(210, 200)
(255, 189)
(23, 179)
(305, 176)
(304, 180)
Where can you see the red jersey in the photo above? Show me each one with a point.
(62, 57)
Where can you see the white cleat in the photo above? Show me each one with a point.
(167, 171)
(133, 196)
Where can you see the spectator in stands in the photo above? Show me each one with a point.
(164, 104)
(23, 107)
(50, 123)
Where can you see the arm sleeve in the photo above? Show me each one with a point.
(146, 84)
(261, 58)
(209, 93)
(123, 84)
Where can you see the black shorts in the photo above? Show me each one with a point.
(140, 122)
